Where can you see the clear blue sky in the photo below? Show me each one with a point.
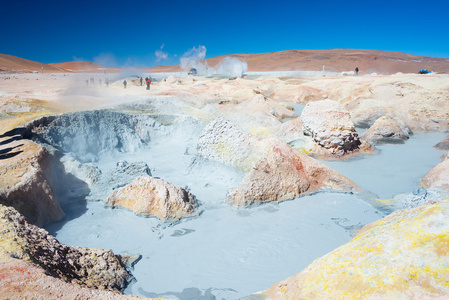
(128, 33)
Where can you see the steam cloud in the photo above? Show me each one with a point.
(106, 60)
(161, 55)
(231, 66)
(194, 58)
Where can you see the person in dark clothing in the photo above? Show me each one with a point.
(357, 71)
(141, 80)
(124, 84)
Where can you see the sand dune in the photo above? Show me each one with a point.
(333, 60)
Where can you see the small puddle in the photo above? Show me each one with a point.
(395, 168)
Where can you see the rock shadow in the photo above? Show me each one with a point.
(20, 131)
(10, 140)
(70, 191)
(7, 152)
(72, 211)
(15, 135)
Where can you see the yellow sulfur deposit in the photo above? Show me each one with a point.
(403, 256)
(260, 131)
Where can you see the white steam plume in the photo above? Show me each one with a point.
(231, 66)
(106, 60)
(194, 58)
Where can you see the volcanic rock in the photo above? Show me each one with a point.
(171, 79)
(94, 268)
(187, 80)
(24, 280)
(365, 112)
(242, 92)
(126, 172)
(152, 196)
(330, 126)
(298, 94)
(291, 130)
(443, 145)
(259, 103)
(282, 173)
(227, 143)
(438, 177)
(417, 198)
(292, 133)
(24, 184)
(266, 115)
(273, 170)
(387, 130)
(403, 256)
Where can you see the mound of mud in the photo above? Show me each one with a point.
(91, 134)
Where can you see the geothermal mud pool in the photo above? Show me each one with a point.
(225, 252)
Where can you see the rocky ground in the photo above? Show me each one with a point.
(35, 265)
(250, 125)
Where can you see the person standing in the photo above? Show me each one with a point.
(124, 84)
(107, 82)
(141, 80)
(148, 83)
(357, 71)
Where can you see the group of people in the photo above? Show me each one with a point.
(92, 81)
(147, 82)
(125, 83)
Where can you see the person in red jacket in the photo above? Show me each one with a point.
(148, 83)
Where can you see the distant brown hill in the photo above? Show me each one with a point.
(10, 63)
(334, 60)
(84, 67)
